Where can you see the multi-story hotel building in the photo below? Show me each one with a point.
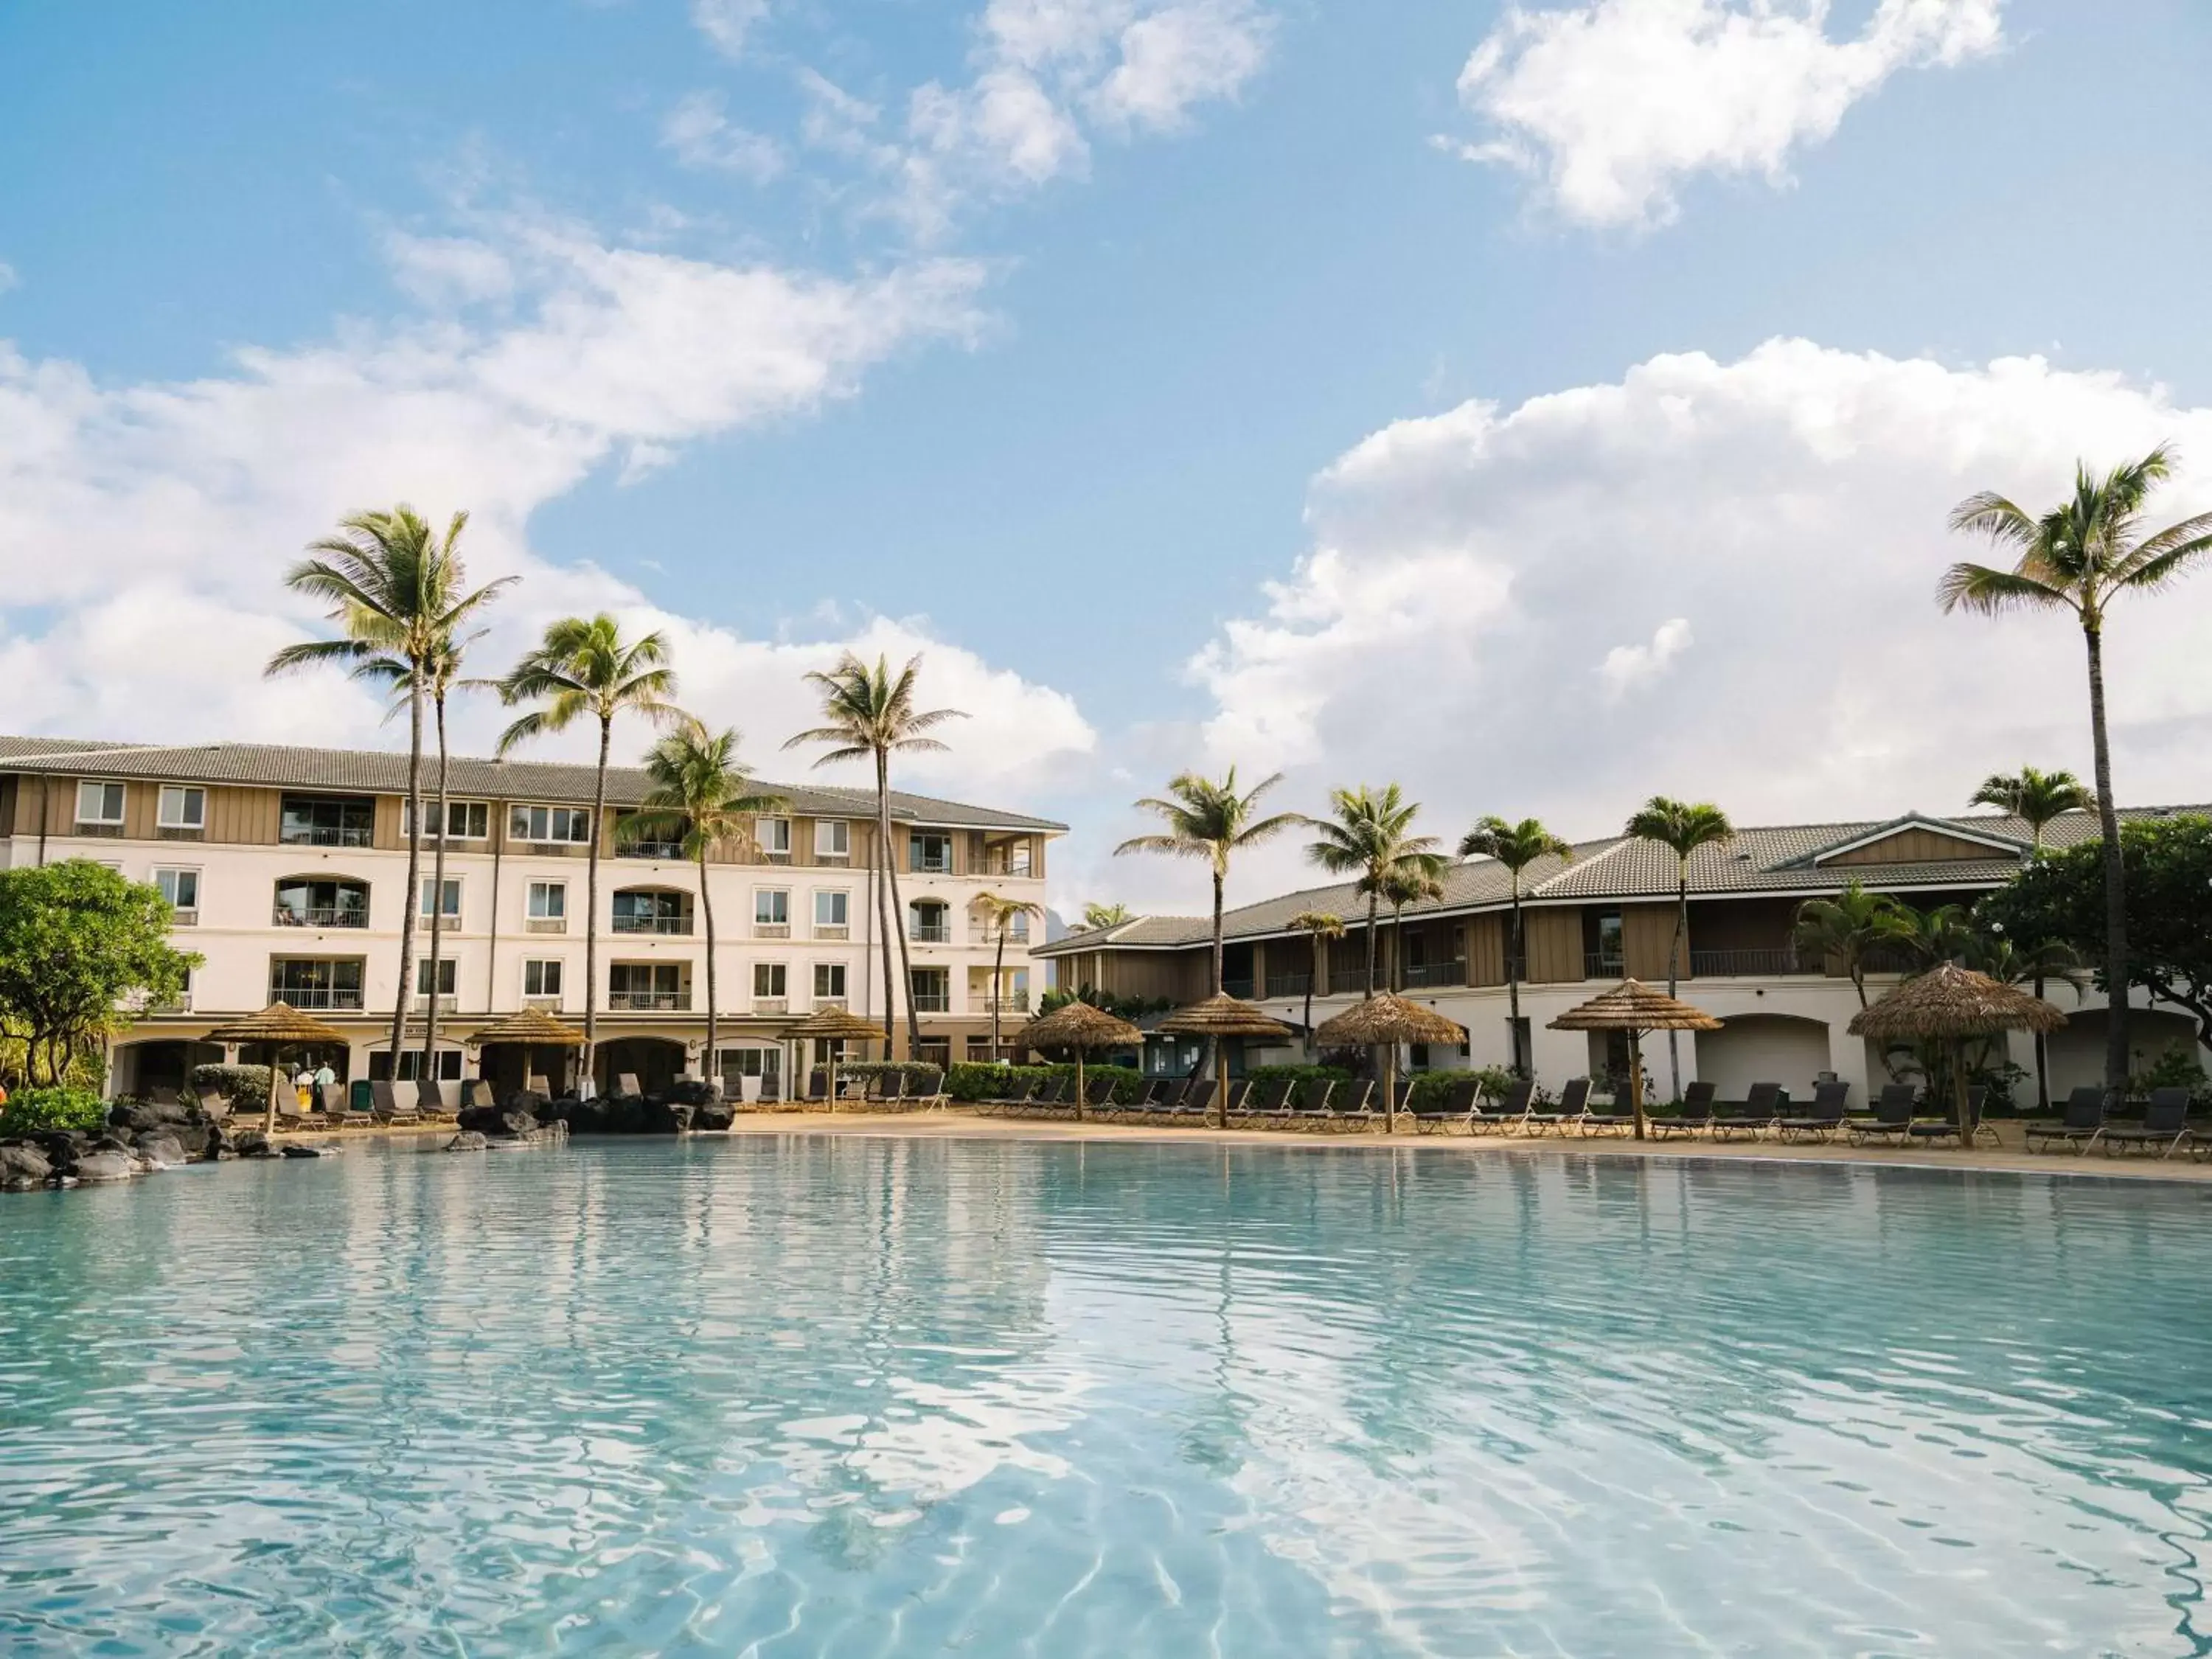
(1610, 912)
(287, 868)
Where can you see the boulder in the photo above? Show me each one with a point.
(17, 1183)
(162, 1148)
(713, 1115)
(469, 1141)
(298, 1149)
(61, 1146)
(692, 1092)
(661, 1117)
(253, 1143)
(625, 1115)
(193, 1137)
(23, 1160)
(140, 1115)
(105, 1165)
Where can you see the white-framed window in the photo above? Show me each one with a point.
(833, 908)
(449, 975)
(99, 802)
(549, 900)
(453, 904)
(833, 839)
(182, 889)
(929, 852)
(771, 980)
(775, 837)
(771, 906)
(183, 807)
(828, 981)
(550, 824)
(541, 976)
(466, 820)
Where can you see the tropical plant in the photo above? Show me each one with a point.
(80, 949)
(704, 796)
(2078, 558)
(1928, 938)
(1516, 846)
(1212, 822)
(398, 590)
(1095, 916)
(1369, 837)
(999, 914)
(869, 713)
(2036, 797)
(1682, 828)
(585, 670)
(1412, 885)
(1317, 924)
(1848, 929)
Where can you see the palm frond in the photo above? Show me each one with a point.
(1977, 587)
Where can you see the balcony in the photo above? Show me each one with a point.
(1013, 1002)
(652, 924)
(322, 999)
(1422, 976)
(319, 915)
(1721, 964)
(649, 849)
(932, 1002)
(1604, 964)
(930, 932)
(649, 1002)
(1241, 988)
(1288, 985)
(1350, 978)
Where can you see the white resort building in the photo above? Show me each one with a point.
(287, 868)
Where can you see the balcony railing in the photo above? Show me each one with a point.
(652, 924)
(1723, 963)
(1421, 974)
(1237, 987)
(320, 998)
(926, 932)
(1603, 965)
(1350, 978)
(1288, 985)
(648, 849)
(932, 1002)
(1013, 1002)
(320, 915)
(650, 1002)
(928, 866)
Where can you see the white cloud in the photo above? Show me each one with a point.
(7, 278)
(1611, 104)
(1469, 572)
(700, 135)
(728, 23)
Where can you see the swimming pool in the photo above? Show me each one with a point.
(787, 1396)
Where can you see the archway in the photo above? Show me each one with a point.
(1750, 1049)
(656, 1062)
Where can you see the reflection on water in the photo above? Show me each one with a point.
(798, 1397)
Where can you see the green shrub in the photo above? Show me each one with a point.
(1298, 1073)
(2177, 1068)
(33, 1109)
(971, 1081)
(246, 1086)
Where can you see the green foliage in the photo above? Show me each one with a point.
(920, 1079)
(78, 944)
(973, 1082)
(1120, 1007)
(1298, 1073)
(30, 1110)
(247, 1087)
(2177, 1068)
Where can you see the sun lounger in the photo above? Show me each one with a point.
(1693, 1115)
(1098, 1094)
(215, 1104)
(1590, 1122)
(2165, 1128)
(1198, 1099)
(626, 1083)
(1354, 1100)
(1554, 1119)
(478, 1092)
(2082, 1128)
(337, 1107)
(1825, 1121)
(1460, 1102)
(1891, 1120)
(538, 1084)
(1762, 1110)
(1506, 1113)
(1930, 1128)
(430, 1099)
(1024, 1092)
(1270, 1098)
(385, 1108)
(1310, 1099)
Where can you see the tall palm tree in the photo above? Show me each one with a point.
(869, 713)
(1681, 827)
(1318, 925)
(583, 669)
(1105, 915)
(2037, 797)
(398, 591)
(1370, 837)
(1402, 887)
(999, 914)
(1516, 847)
(1848, 928)
(703, 795)
(2079, 557)
(1930, 937)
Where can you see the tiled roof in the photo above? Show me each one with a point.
(384, 772)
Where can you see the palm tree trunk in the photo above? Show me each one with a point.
(591, 907)
(1313, 975)
(1373, 940)
(2115, 891)
(998, 984)
(898, 907)
(880, 896)
(707, 916)
(1513, 984)
(1219, 1057)
(430, 1068)
(1674, 979)
(414, 863)
(2042, 1061)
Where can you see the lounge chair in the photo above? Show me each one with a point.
(215, 1104)
(1594, 1123)
(538, 1084)
(1270, 1098)
(1024, 1092)
(2165, 1128)
(1354, 1101)
(1891, 1120)
(1310, 1098)
(1098, 1095)
(477, 1092)
(337, 1107)
(1240, 1090)
(1198, 1099)
(1570, 1106)
(1157, 1094)
(2082, 1128)
(430, 1099)
(384, 1105)
(1460, 1103)
(1509, 1111)
(1178, 1094)
(626, 1083)
(1825, 1121)
(1932, 1129)
(1695, 1113)
(1762, 1110)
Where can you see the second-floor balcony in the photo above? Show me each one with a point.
(1604, 964)
(1421, 976)
(1240, 988)
(1010, 1002)
(649, 849)
(1721, 964)
(319, 915)
(317, 998)
(650, 1002)
(930, 932)
(1288, 984)
(932, 1002)
(651, 924)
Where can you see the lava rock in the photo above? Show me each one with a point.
(714, 1116)
(140, 1116)
(657, 1117)
(692, 1092)
(105, 1165)
(469, 1141)
(625, 1115)
(18, 1183)
(23, 1160)
(254, 1143)
(296, 1149)
(163, 1150)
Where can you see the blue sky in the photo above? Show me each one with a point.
(1165, 369)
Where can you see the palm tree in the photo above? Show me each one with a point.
(870, 715)
(1848, 928)
(2037, 797)
(1402, 887)
(1681, 827)
(1210, 821)
(1095, 916)
(1370, 837)
(1320, 925)
(1516, 847)
(999, 914)
(702, 794)
(2079, 557)
(583, 669)
(1930, 937)
(396, 587)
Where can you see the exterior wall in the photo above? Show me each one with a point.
(1488, 939)
(1647, 935)
(1553, 938)
(1910, 846)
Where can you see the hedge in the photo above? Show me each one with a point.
(247, 1087)
(1298, 1073)
(33, 1109)
(974, 1081)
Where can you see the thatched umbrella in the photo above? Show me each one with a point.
(1948, 1005)
(1078, 1025)
(1385, 1020)
(827, 1023)
(1223, 1015)
(533, 1028)
(1634, 1007)
(281, 1026)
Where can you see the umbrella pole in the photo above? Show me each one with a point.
(1221, 1083)
(1391, 1090)
(1959, 1092)
(270, 1126)
(1079, 1099)
(830, 1059)
(1636, 1080)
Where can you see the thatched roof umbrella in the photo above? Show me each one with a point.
(1078, 1025)
(1634, 1007)
(281, 1026)
(836, 1023)
(1223, 1015)
(1385, 1020)
(533, 1028)
(1948, 1005)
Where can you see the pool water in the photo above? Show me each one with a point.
(786, 1396)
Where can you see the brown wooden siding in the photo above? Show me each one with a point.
(388, 833)
(1553, 935)
(1647, 933)
(244, 818)
(1745, 924)
(1486, 937)
(1914, 847)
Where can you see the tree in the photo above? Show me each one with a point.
(2078, 558)
(79, 947)
(1370, 838)
(1848, 928)
(1516, 847)
(702, 794)
(1095, 916)
(869, 715)
(1681, 827)
(584, 670)
(1318, 925)
(999, 914)
(1402, 887)
(1928, 938)
(2036, 797)
(397, 589)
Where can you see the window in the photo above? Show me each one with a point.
(541, 977)
(1018, 928)
(307, 901)
(315, 982)
(327, 821)
(182, 889)
(446, 1062)
(930, 854)
(550, 824)
(774, 837)
(828, 981)
(647, 911)
(770, 979)
(549, 900)
(466, 820)
(772, 909)
(182, 808)
(453, 905)
(833, 839)
(647, 985)
(449, 977)
(98, 803)
(832, 914)
(929, 922)
(933, 990)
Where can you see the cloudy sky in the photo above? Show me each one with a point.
(1539, 405)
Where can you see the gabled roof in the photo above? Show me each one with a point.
(1949, 829)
